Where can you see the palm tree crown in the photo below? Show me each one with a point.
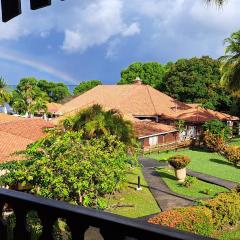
(4, 94)
(231, 63)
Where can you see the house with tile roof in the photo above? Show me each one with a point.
(17, 132)
(153, 113)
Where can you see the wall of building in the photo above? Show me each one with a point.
(162, 139)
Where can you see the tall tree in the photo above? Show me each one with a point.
(231, 63)
(151, 73)
(85, 86)
(196, 80)
(4, 94)
(55, 91)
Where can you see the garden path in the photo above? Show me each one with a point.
(166, 198)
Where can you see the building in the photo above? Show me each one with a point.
(16, 133)
(153, 113)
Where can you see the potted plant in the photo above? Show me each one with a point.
(179, 163)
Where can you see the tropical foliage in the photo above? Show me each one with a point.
(4, 93)
(55, 91)
(216, 143)
(67, 167)
(231, 62)
(191, 80)
(95, 122)
(211, 215)
(217, 127)
(85, 86)
(151, 73)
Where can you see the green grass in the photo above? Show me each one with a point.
(143, 201)
(233, 234)
(205, 162)
(235, 141)
(194, 191)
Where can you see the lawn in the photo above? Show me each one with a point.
(205, 162)
(142, 201)
(195, 190)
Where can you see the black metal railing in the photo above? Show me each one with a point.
(12, 8)
(78, 219)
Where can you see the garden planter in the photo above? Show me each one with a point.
(181, 174)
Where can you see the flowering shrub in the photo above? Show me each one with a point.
(217, 144)
(192, 219)
(225, 209)
(179, 161)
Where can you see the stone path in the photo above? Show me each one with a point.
(166, 198)
(210, 179)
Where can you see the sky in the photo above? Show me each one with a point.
(78, 40)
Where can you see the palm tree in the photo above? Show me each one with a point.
(4, 94)
(38, 106)
(231, 63)
(95, 122)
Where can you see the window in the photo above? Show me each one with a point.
(153, 141)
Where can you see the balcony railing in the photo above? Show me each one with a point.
(112, 227)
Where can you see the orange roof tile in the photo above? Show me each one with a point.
(140, 100)
(148, 128)
(17, 133)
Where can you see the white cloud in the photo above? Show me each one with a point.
(133, 29)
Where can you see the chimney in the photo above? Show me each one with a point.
(138, 81)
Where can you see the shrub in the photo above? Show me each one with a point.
(217, 144)
(179, 161)
(192, 219)
(225, 208)
(217, 128)
(189, 181)
(206, 191)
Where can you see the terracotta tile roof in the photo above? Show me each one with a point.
(140, 99)
(148, 128)
(8, 118)
(198, 114)
(53, 107)
(17, 133)
(129, 99)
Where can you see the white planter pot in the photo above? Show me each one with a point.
(181, 174)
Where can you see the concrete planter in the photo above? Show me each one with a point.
(181, 174)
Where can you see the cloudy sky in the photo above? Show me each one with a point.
(79, 40)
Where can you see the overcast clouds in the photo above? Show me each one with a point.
(81, 40)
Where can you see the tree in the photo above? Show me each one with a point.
(217, 2)
(85, 86)
(4, 94)
(26, 94)
(55, 91)
(218, 128)
(95, 122)
(151, 73)
(191, 80)
(231, 63)
(67, 167)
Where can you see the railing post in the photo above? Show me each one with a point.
(3, 228)
(77, 228)
(47, 221)
(20, 230)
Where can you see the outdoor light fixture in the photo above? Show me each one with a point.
(12, 8)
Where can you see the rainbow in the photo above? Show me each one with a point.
(26, 61)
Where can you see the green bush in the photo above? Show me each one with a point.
(225, 209)
(192, 219)
(179, 161)
(189, 181)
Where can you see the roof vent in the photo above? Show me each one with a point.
(138, 81)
